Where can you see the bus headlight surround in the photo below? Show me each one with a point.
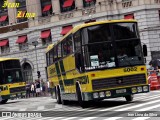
(139, 89)
(101, 94)
(134, 90)
(108, 93)
(95, 95)
(145, 88)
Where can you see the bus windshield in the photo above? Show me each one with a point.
(12, 76)
(10, 72)
(111, 45)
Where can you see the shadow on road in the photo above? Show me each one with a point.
(101, 104)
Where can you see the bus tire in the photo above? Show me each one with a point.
(58, 93)
(79, 96)
(129, 98)
(4, 101)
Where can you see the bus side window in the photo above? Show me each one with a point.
(64, 48)
(50, 59)
(59, 50)
(78, 51)
(70, 44)
(55, 53)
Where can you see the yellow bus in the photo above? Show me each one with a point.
(96, 61)
(11, 80)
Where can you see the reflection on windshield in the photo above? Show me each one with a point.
(99, 56)
(12, 76)
(125, 31)
(129, 53)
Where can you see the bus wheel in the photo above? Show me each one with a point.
(79, 96)
(129, 98)
(58, 95)
(4, 101)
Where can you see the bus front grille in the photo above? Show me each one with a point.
(118, 81)
(17, 89)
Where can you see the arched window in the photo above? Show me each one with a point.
(27, 72)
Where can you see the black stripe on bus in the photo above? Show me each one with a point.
(62, 68)
(58, 70)
(61, 85)
(82, 80)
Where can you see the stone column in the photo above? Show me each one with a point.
(34, 6)
(79, 4)
(56, 6)
(12, 14)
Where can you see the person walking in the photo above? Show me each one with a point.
(32, 89)
(38, 88)
(43, 87)
(28, 90)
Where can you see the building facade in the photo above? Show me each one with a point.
(24, 21)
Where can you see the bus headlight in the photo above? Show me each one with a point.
(139, 89)
(95, 95)
(145, 88)
(108, 93)
(101, 94)
(134, 90)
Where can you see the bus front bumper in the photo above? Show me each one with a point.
(4, 97)
(18, 95)
(113, 93)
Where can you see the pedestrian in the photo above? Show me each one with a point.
(38, 88)
(48, 87)
(28, 89)
(43, 87)
(32, 89)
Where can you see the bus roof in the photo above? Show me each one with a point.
(78, 27)
(5, 59)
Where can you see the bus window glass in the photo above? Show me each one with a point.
(1, 74)
(101, 57)
(129, 52)
(98, 47)
(11, 64)
(77, 41)
(51, 57)
(59, 51)
(64, 48)
(12, 76)
(99, 33)
(125, 30)
(47, 58)
(55, 53)
(69, 45)
(78, 52)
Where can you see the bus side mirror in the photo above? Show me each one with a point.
(145, 50)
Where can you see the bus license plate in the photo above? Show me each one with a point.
(121, 91)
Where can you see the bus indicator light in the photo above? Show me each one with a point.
(134, 90)
(92, 75)
(142, 69)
